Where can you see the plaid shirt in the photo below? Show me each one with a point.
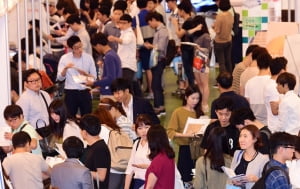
(277, 179)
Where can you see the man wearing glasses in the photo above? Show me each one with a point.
(282, 149)
(76, 68)
(33, 101)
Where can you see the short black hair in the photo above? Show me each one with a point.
(120, 84)
(73, 40)
(73, 18)
(99, 38)
(171, 0)
(12, 111)
(225, 79)
(104, 10)
(263, 61)
(20, 139)
(224, 102)
(257, 51)
(287, 78)
(73, 147)
(154, 15)
(250, 49)
(28, 73)
(126, 17)
(120, 5)
(186, 6)
(91, 124)
(224, 5)
(297, 143)
(141, 4)
(240, 115)
(277, 64)
(279, 139)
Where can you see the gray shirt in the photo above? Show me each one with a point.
(160, 41)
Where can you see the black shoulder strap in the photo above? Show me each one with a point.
(23, 126)
(45, 101)
(138, 143)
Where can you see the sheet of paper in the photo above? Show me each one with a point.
(51, 161)
(3, 141)
(195, 126)
(231, 174)
(60, 150)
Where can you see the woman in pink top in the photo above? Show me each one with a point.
(161, 172)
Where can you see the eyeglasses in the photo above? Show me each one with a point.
(289, 146)
(34, 81)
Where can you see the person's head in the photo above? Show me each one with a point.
(99, 42)
(200, 20)
(282, 146)
(73, 147)
(224, 80)
(215, 145)
(250, 138)
(13, 115)
(21, 140)
(158, 142)
(52, 6)
(23, 61)
(240, 116)
(104, 13)
(151, 5)
(297, 147)
(257, 51)
(142, 125)
(90, 125)
(263, 61)
(224, 5)
(116, 15)
(74, 22)
(114, 108)
(141, 4)
(172, 4)
(75, 44)
(120, 4)
(58, 116)
(103, 114)
(185, 7)
(223, 108)
(278, 65)
(121, 89)
(192, 99)
(248, 54)
(285, 82)
(154, 19)
(32, 80)
(125, 22)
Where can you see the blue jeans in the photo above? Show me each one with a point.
(156, 86)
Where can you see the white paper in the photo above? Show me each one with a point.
(3, 141)
(51, 161)
(231, 174)
(189, 43)
(82, 79)
(196, 126)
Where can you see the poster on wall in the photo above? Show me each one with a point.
(256, 14)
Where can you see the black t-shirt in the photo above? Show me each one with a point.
(187, 25)
(232, 137)
(98, 156)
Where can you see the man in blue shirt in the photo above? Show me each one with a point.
(282, 149)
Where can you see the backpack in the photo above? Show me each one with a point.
(171, 51)
(261, 183)
(120, 146)
(236, 22)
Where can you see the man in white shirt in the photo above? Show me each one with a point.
(254, 88)
(80, 65)
(289, 107)
(271, 95)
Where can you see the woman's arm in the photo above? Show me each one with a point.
(151, 181)
(128, 180)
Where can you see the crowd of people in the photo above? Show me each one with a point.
(255, 122)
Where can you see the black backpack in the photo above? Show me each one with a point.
(261, 183)
(236, 22)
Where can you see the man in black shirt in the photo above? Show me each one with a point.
(96, 156)
(224, 106)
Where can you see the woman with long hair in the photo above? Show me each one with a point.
(203, 40)
(161, 172)
(248, 160)
(118, 114)
(139, 161)
(208, 167)
(61, 123)
(191, 108)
